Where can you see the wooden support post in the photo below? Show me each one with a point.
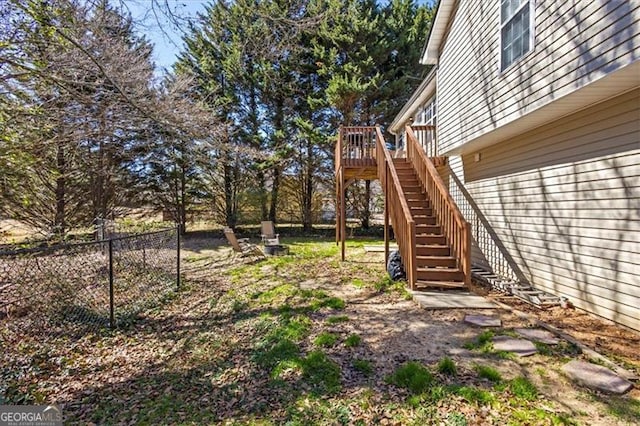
(386, 218)
(343, 210)
(338, 204)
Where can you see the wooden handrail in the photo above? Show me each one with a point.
(426, 136)
(403, 224)
(454, 227)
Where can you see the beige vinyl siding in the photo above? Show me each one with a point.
(564, 200)
(575, 43)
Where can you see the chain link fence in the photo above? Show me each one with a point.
(87, 286)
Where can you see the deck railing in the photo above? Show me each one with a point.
(357, 146)
(426, 137)
(454, 227)
(403, 224)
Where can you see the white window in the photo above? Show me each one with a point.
(516, 30)
(427, 113)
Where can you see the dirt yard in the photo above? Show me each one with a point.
(307, 339)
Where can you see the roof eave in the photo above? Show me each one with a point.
(437, 32)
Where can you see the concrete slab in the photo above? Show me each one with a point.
(538, 335)
(596, 377)
(520, 347)
(483, 320)
(451, 299)
(379, 249)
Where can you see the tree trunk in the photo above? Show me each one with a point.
(228, 194)
(307, 200)
(275, 187)
(60, 218)
(277, 170)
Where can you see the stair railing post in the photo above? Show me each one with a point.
(386, 215)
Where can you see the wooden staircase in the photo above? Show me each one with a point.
(433, 238)
(435, 265)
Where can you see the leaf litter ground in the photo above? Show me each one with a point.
(298, 339)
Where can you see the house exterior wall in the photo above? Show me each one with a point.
(575, 43)
(564, 200)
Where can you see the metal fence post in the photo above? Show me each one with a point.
(178, 257)
(112, 322)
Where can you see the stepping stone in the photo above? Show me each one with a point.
(539, 335)
(596, 377)
(520, 347)
(483, 320)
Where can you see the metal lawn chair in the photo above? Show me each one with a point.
(269, 236)
(242, 245)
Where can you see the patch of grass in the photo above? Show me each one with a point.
(352, 341)
(624, 408)
(522, 387)
(325, 339)
(335, 319)
(473, 394)
(276, 294)
(447, 366)
(284, 366)
(412, 376)
(505, 355)
(489, 373)
(238, 306)
(543, 348)
(269, 357)
(456, 419)
(328, 302)
(358, 283)
(536, 416)
(320, 373)
(434, 394)
(482, 342)
(387, 285)
(364, 366)
(312, 410)
(384, 283)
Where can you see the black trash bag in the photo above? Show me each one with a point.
(394, 266)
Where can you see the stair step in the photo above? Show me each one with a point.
(430, 239)
(440, 274)
(410, 189)
(439, 284)
(413, 203)
(421, 210)
(436, 261)
(423, 219)
(432, 250)
(428, 229)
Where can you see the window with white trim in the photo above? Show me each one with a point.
(427, 113)
(516, 30)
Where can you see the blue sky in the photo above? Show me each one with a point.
(165, 35)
